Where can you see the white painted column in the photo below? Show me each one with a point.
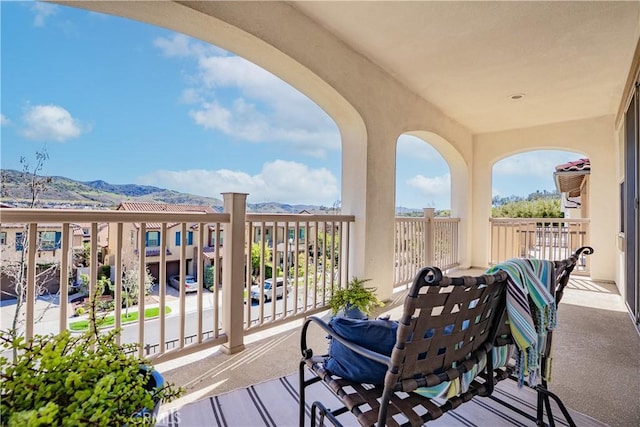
(368, 192)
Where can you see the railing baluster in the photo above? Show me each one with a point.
(182, 276)
(64, 276)
(142, 266)
(118, 281)
(200, 272)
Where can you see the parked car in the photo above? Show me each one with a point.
(268, 289)
(190, 283)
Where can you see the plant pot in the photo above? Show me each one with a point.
(154, 382)
(353, 312)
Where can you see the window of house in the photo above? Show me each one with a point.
(213, 237)
(152, 239)
(3, 238)
(19, 241)
(292, 234)
(189, 238)
(49, 240)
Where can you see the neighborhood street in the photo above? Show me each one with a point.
(47, 308)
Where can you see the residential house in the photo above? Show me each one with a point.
(13, 239)
(572, 181)
(152, 238)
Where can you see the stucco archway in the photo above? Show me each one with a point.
(591, 137)
(460, 185)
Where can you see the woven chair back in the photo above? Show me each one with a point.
(447, 325)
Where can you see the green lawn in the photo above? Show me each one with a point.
(82, 325)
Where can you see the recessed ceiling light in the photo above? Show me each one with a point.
(517, 96)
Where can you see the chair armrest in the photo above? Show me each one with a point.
(307, 352)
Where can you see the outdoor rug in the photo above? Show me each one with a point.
(275, 403)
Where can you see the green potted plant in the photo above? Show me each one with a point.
(78, 379)
(355, 300)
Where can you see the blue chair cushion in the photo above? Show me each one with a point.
(377, 335)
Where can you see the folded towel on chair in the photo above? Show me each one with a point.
(531, 310)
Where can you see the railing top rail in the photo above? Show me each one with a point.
(421, 218)
(275, 217)
(523, 220)
(23, 215)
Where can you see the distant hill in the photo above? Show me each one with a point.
(71, 194)
(63, 192)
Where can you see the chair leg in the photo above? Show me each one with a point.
(324, 413)
(543, 398)
(301, 391)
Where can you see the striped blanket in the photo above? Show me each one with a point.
(531, 310)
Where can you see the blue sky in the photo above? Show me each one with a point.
(127, 102)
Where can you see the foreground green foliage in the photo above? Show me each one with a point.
(68, 380)
(356, 295)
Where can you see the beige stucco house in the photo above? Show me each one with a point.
(131, 244)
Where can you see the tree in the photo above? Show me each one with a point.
(302, 267)
(256, 259)
(13, 264)
(131, 280)
(540, 208)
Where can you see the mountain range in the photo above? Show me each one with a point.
(61, 192)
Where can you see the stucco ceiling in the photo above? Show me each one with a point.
(570, 59)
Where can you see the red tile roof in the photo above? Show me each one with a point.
(576, 165)
(162, 207)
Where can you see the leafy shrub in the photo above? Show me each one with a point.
(72, 380)
(209, 275)
(540, 208)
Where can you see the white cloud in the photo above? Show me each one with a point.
(50, 122)
(535, 164)
(433, 190)
(191, 96)
(42, 11)
(279, 181)
(264, 109)
(4, 121)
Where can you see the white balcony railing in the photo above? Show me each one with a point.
(308, 252)
(424, 241)
(542, 238)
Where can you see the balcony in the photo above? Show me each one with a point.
(452, 74)
(219, 339)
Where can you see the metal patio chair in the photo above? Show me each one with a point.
(450, 331)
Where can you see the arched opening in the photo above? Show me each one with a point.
(423, 177)
(540, 205)
(427, 231)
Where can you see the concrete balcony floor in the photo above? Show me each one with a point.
(596, 363)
